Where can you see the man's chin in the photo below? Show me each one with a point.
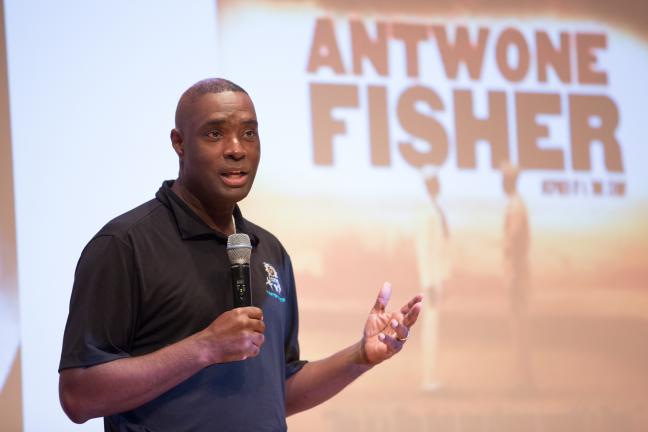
(234, 195)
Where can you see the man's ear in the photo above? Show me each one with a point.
(177, 142)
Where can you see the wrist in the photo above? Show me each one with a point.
(204, 352)
(360, 355)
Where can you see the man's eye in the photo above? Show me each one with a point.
(250, 133)
(214, 134)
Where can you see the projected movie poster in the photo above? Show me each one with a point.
(493, 160)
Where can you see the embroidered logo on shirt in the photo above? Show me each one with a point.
(273, 287)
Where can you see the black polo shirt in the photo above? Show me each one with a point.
(157, 274)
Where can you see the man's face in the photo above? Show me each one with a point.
(218, 144)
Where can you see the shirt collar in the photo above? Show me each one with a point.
(191, 226)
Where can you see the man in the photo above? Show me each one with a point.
(152, 342)
(516, 271)
(434, 268)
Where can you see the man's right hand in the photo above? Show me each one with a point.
(234, 335)
(126, 383)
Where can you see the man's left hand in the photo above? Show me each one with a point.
(385, 333)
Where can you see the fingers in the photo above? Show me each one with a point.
(253, 318)
(418, 298)
(253, 336)
(235, 335)
(257, 339)
(257, 326)
(383, 298)
(410, 318)
(401, 325)
(252, 346)
(392, 343)
(251, 311)
(402, 331)
(247, 346)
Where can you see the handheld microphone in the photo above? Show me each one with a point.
(239, 250)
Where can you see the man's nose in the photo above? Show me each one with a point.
(234, 149)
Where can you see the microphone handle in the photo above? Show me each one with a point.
(241, 285)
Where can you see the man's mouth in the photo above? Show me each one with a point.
(234, 178)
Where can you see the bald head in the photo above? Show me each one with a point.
(201, 88)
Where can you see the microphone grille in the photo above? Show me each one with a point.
(239, 248)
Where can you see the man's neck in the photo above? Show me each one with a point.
(219, 219)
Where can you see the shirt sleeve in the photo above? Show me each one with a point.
(291, 345)
(100, 321)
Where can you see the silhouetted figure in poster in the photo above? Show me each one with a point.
(433, 264)
(516, 273)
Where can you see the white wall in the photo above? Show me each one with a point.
(93, 87)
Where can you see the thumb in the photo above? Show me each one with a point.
(383, 298)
